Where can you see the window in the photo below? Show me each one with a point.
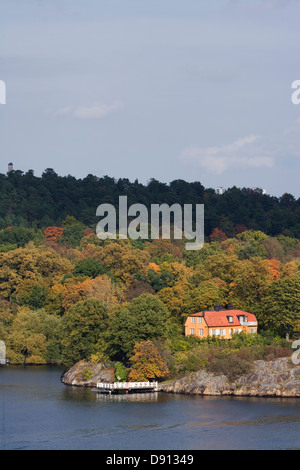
(193, 319)
(192, 331)
(230, 319)
(201, 332)
(232, 331)
(213, 332)
(199, 319)
(222, 332)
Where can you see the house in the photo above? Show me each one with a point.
(220, 191)
(220, 322)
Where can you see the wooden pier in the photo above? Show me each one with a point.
(126, 387)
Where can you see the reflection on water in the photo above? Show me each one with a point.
(121, 397)
(81, 394)
(85, 394)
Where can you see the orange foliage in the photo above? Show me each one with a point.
(274, 267)
(217, 235)
(53, 235)
(154, 267)
(147, 363)
(100, 288)
(88, 232)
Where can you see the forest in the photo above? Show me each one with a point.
(66, 295)
(38, 202)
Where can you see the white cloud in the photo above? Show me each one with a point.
(94, 111)
(252, 151)
(219, 159)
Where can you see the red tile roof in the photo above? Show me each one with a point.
(220, 318)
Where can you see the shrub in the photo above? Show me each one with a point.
(87, 374)
(194, 362)
(274, 351)
(231, 366)
(121, 372)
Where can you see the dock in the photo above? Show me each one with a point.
(126, 387)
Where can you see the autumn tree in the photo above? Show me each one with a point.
(147, 363)
(34, 337)
(122, 261)
(54, 300)
(221, 265)
(53, 235)
(217, 235)
(251, 283)
(159, 248)
(205, 296)
(173, 299)
(105, 290)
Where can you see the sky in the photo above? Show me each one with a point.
(164, 89)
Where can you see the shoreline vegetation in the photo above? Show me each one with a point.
(274, 378)
(66, 296)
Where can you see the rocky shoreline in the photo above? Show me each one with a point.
(277, 378)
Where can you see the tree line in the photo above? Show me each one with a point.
(38, 202)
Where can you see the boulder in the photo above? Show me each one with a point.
(86, 374)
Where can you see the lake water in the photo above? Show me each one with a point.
(38, 412)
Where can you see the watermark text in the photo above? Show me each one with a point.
(296, 94)
(2, 92)
(135, 222)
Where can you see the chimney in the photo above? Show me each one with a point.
(218, 308)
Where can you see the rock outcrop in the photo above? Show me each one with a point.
(278, 378)
(85, 374)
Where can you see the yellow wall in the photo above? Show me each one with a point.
(227, 333)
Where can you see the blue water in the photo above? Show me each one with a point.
(38, 412)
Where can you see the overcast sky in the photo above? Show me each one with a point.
(163, 89)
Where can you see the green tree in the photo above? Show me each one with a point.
(18, 236)
(280, 308)
(35, 298)
(34, 337)
(82, 329)
(160, 280)
(72, 235)
(145, 318)
(121, 372)
(90, 267)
